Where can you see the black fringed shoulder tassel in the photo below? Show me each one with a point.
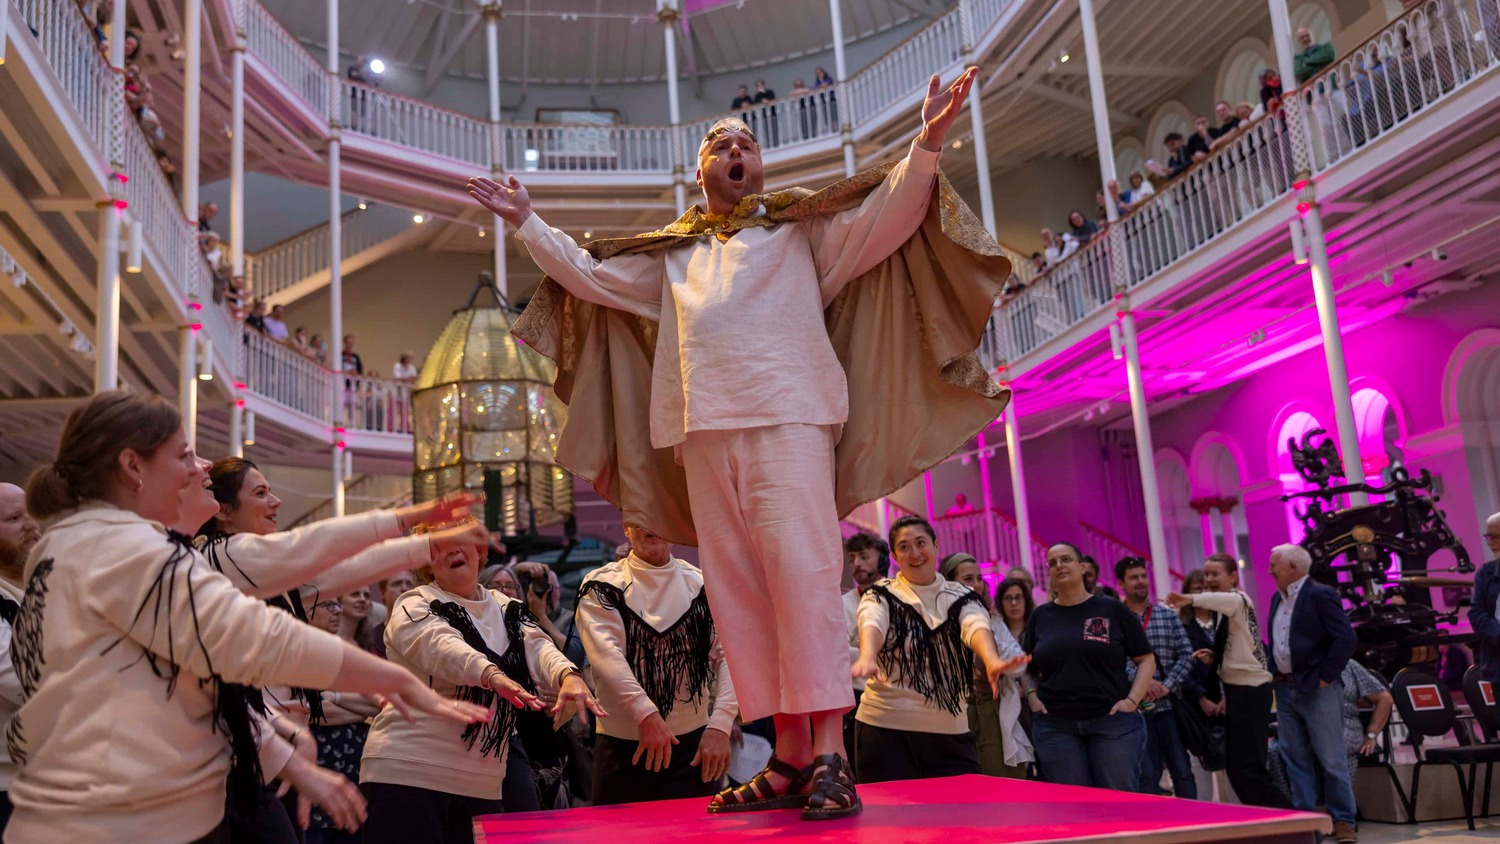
(216, 550)
(26, 655)
(931, 661)
(493, 735)
(668, 662)
(232, 702)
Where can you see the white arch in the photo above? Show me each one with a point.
(1171, 116)
(1183, 526)
(1317, 15)
(1292, 427)
(1471, 400)
(1239, 73)
(1130, 157)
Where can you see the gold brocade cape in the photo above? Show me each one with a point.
(905, 332)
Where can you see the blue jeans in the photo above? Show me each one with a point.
(1311, 727)
(1099, 752)
(1164, 746)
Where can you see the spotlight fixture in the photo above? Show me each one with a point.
(481, 233)
(1387, 278)
(363, 205)
(418, 219)
(249, 427)
(133, 246)
(588, 235)
(348, 464)
(205, 358)
(958, 144)
(4, 25)
(377, 66)
(1299, 241)
(1064, 57)
(1116, 346)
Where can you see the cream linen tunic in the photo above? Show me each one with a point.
(742, 342)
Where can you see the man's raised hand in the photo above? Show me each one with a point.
(507, 198)
(941, 108)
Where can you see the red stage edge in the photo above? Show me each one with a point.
(953, 810)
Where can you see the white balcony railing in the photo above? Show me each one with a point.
(280, 51)
(72, 51)
(413, 124)
(935, 48)
(779, 123)
(284, 375)
(970, 532)
(278, 267)
(550, 147)
(1428, 53)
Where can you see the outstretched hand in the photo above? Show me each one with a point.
(506, 198)
(941, 108)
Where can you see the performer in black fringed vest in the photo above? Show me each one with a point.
(659, 672)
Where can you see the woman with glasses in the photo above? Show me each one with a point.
(1014, 604)
(1085, 724)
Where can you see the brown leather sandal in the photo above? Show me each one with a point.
(758, 794)
(832, 794)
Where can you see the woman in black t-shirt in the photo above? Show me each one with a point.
(1085, 726)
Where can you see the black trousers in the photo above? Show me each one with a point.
(1247, 730)
(618, 781)
(271, 823)
(886, 755)
(5, 809)
(518, 792)
(402, 814)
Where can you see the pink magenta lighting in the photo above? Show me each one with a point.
(241, 403)
(1300, 184)
(197, 326)
(339, 444)
(121, 204)
(1304, 207)
(194, 306)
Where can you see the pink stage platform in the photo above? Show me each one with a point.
(954, 810)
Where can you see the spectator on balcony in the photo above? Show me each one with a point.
(1038, 263)
(404, 370)
(767, 113)
(807, 123)
(351, 361)
(276, 324)
(743, 100)
(1178, 158)
(213, 251)
(299, 341)
(1229, 125)
(1055, 248)
(1081, 228)
(234, 297)
(1140, 189)
(1121, 198)
(361, 74)
(827, 101)
(1313, 58)
(206, 214)
(1270, 91)
(317, 349)
(168, 169)
(257, 318)
(1201, 140)
(961, 506)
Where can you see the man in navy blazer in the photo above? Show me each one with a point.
(1483, 614)
(1311, 642)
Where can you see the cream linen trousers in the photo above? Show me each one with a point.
(771, 553)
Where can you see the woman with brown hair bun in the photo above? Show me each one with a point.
(116, 612)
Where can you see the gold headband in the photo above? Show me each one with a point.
(724, 127)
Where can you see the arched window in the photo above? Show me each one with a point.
(1292, 429)
(1471, 400)
(1316, 18)
(1179, 520)
(1381, 434)
(1130, 158)
(1170, 117)
(1239, 75)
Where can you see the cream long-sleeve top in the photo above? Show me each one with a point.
(10, 683)
(431, 753)
(1244, 655)
(889, 701)
(110, 749)
(326, 558)
(660, 597)
(742, 341)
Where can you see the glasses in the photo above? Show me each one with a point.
(328, 606)
(1492, 537)
(1062, 561)
(1014, 599)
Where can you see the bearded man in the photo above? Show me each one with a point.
(804, 353)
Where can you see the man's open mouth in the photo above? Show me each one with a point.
(736, 172)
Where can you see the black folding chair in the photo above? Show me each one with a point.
(1481, 695)
(1427, 709)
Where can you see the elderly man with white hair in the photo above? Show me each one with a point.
(1311, 642)
(1484, 609)
(18, 533)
